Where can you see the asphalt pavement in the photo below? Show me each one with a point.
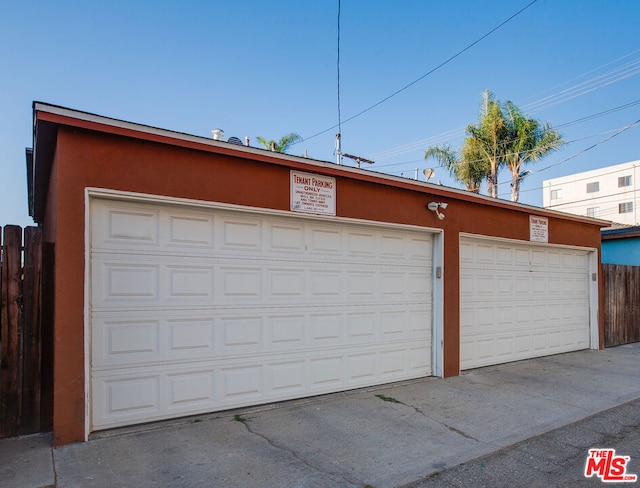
(529, 423)
(555, 459)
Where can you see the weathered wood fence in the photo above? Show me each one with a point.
(621, 304)
(25, 341)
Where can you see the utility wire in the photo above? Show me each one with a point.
(524, 152)
(624, 129)
(451, 58)
(532, 107)
(594, 70)
(338, 67)
(422, 143)
(502, 184)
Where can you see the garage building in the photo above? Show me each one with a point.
(194, 275)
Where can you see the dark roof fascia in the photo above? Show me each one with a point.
(47, 114)
(28, 153)
(45, 136)
(620, 233)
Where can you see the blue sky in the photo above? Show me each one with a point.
(266, 69)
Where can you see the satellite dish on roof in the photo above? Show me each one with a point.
(428, 173)
(235, 140)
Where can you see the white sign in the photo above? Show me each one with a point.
(313, 193)
(538, 229)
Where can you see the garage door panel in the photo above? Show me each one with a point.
(286, 283)
(326, 328)
(205, 310)
(118, 281)
(520, 300)
(325, 241)
(121, 398)
(194, 389)
(241, 235)
(361, 244)
(139, 227)
(287, 331)
(286, 239)
(187, 231)
(361, 367)
(190, 282)
(392, 247)
(419, 362)
(190, 336)
(139, 339)
(287, 378)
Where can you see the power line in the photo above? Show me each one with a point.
(550, 100)
(583, 74)
(624, 129)
(614, 198)
(599, 114)
(524, 152)
(451, 58)
(576, 180)
(586, 87)
(566, 124)
(338, 67)
(618, 132)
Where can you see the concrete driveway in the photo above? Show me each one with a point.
(381, 437)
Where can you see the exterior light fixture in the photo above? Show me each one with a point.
(435, 206)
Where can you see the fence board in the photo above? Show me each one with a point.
(46, 350)
(621, 304)
(25, 389)
(31, 332)
(10, 350)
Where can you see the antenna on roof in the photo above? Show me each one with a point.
(358, 159)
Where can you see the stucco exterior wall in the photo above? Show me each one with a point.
(621, 251)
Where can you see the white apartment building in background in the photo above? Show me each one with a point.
(610, 193)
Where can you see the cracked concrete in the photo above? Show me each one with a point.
(418, 410)
(351, 439)
(246, 423)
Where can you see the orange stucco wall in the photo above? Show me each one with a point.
(86, 158)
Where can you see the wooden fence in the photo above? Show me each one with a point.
(25, 340)
(621, 304)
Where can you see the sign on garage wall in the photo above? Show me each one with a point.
(312, 193)
(538, 229)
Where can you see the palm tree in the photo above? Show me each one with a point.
(503, 136)
(282, 145)
(466, 167)
(526, 141)
(487, 138)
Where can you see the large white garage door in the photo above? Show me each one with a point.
(195, 310)
(521, 301)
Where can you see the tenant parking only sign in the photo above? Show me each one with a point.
(538, 229)
(314, 194)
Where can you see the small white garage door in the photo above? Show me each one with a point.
(195, 310)
(521, 301)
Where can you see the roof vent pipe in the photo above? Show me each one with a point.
(218, 134)
(246, 140)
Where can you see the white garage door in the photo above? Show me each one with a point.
(195, 310)
(521, 301)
